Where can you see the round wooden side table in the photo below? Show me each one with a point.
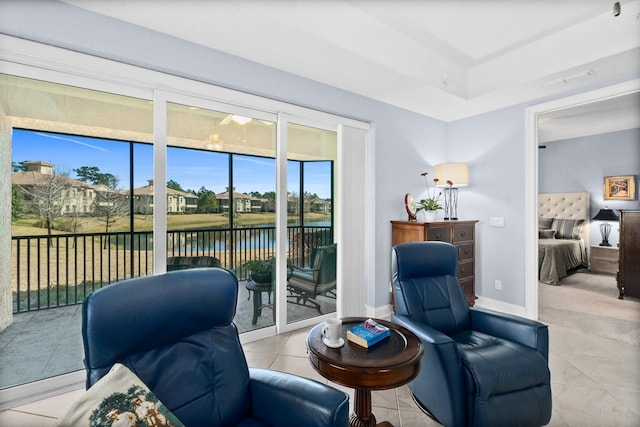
(390, 363)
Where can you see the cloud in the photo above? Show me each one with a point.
(75, 141)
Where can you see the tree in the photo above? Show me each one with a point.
(88, 174)
(18, 206)
(92, 175)
(110, 205)
(207, 201)
(174, 185)
(308, 195)
(19, 166)
(47, 198)
(143, 204)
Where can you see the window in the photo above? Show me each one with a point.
(125, 115)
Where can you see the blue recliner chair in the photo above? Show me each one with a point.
(175, 331)
(479, 368)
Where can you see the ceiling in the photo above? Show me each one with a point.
(447, 59)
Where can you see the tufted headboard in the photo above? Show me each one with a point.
(566, 206)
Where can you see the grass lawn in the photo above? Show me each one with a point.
(28, 225)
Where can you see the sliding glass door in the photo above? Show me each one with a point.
(154, 181)
(76, 156)
(312, 251)
(220, 191)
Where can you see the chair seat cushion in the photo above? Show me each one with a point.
(495, 366)
(251, 422)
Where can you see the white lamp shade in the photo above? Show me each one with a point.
(456, 172)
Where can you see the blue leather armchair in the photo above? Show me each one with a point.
(479, 368)
(175, 331)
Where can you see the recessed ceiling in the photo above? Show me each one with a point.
(604, 116)
(447, 59)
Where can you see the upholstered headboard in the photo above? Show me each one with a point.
(566, 206)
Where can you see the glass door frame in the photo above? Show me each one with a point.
(282, 144)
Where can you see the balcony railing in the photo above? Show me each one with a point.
(60, 270)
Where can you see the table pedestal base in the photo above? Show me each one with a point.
(363, 416)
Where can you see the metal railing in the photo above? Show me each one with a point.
(59, 270)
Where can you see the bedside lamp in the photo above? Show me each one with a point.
(605, 228)
(451, 176)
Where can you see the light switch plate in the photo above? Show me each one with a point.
(497, 221)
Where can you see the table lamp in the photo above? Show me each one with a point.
(451, 176)
(605, 228)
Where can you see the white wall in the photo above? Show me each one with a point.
(580, 164)
(493, 144)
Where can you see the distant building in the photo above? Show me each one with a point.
(320, 206)
(73, 196)
(241, 202)
(178, 202)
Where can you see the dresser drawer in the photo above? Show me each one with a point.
(465, 269)
(440, 234)
(465, 251)
(462, 233)
(467, 287)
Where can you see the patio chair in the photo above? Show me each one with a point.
(175, 331)
(184, 262)
(306, 284)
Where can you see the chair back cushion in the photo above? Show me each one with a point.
(425, 285)
(175, 332)
(323, 261)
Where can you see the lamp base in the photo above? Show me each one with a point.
(605, 229)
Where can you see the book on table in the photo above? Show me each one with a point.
(367, 333)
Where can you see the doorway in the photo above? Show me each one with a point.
(532, 131)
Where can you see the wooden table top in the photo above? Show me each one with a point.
(390, 363)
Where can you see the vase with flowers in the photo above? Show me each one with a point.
(431, 204)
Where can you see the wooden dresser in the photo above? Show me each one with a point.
(459, 233)
(629, 267)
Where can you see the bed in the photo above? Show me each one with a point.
(563, 235)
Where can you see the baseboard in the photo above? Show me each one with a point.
(504, 307)
(385, 311)
(38, 390)
(382, 312)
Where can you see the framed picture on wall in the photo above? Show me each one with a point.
(620, 187)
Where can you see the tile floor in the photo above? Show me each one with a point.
(595, 371)
(45, 343)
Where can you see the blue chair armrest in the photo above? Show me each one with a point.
(426, 333)
(441, 373)
(284, 400)
(513, 328)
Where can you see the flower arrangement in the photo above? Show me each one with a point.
(431, 203)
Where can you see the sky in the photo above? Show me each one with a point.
(192, 169)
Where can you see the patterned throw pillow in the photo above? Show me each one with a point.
(119, 398)
(568, 228)
(545, 223)
(547, 234)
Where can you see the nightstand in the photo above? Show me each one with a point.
(604, 259)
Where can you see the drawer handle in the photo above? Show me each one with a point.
(461, 270)
(466, 251)
(438, 236)
(462, 234)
